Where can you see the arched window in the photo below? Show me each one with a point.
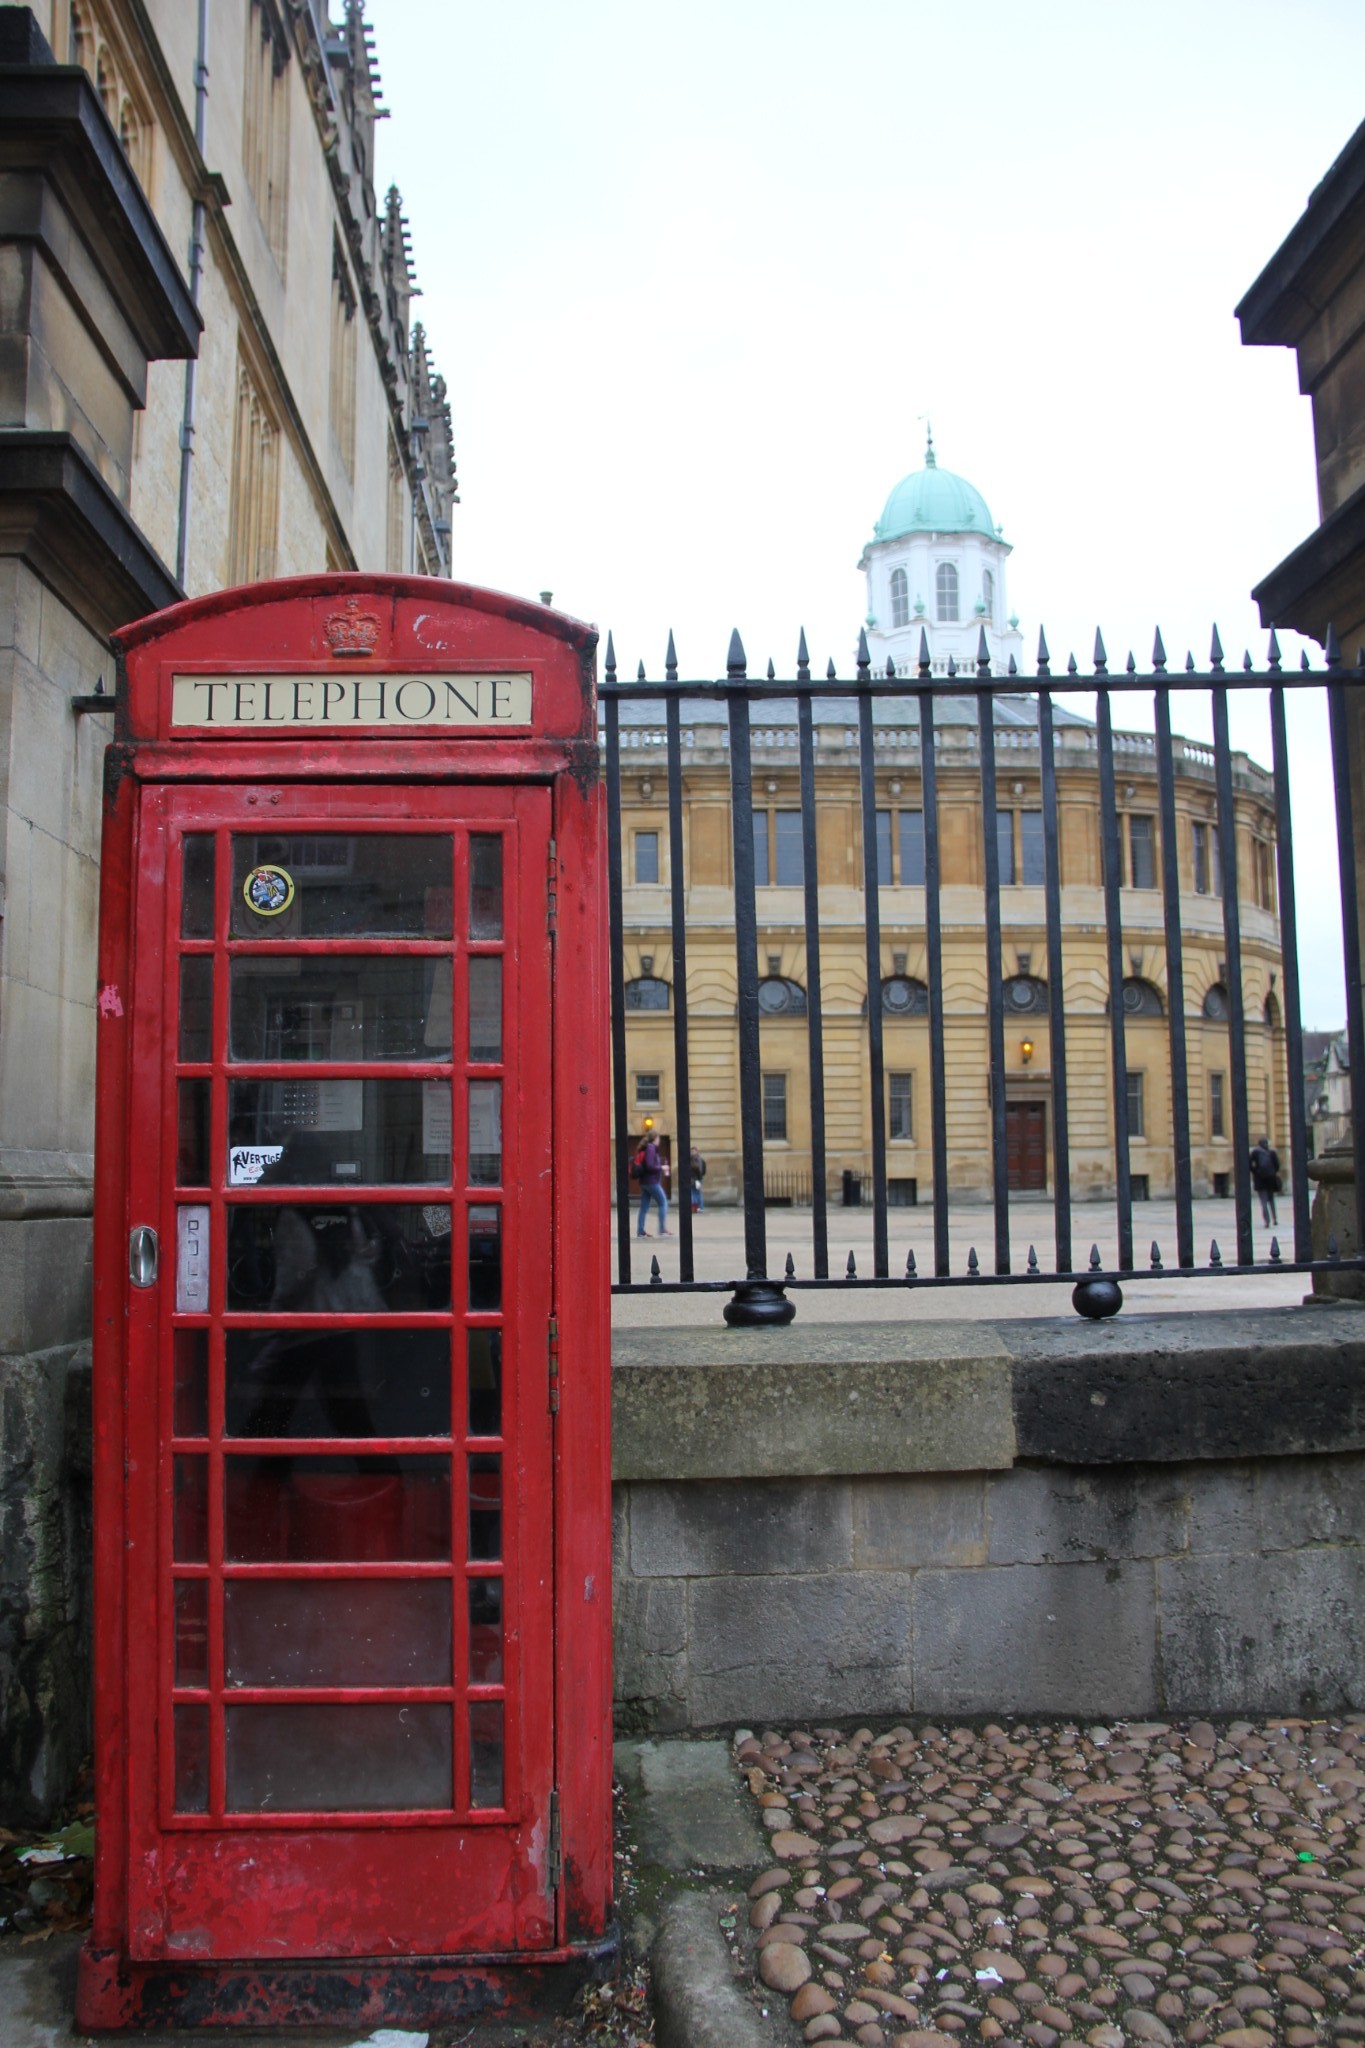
(988, 591)
(900, 598)
(1216, 1004)
(945, 593)
(778, 997)
(902, 997)
(647, 992)
(1271, 1014)
(1025, 996)
(1142, 998)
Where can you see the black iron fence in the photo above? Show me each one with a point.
(738, 704)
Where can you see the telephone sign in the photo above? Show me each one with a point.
(351, 1353)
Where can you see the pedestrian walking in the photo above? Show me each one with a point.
(649, 1168)
(697, 1174)
(1265, 1178)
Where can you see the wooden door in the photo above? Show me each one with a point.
(1026, 1145)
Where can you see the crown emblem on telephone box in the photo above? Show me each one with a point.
(351, 631)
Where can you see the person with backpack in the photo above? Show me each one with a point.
(1265, 1178)
(648, 1168)
(697, 1174)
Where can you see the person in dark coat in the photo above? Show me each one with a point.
(1265, 1178)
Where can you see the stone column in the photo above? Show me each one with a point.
(89, 294)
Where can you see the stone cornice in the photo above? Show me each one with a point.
(59, 515)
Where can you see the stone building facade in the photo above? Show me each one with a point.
(922, 512)
(207, 375)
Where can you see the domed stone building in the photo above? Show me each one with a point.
(936, 564)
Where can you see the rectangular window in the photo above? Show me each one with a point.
(791, 867)
(1208, 861)
(253, 511)
(912, 849)
(762, 871)
(899, 1106)
(1136, 1107)
(1217, 1112)
(265, 123)
(646, 856)
(775, 1106)
(884, 850)
(647, 1088)
(1004, 843)
(341, 378)
(1265, 875)
(1031, 848)
(1142, 853)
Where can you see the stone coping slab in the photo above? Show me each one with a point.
(842, 1399)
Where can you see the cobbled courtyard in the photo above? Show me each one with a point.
(1061, 1886)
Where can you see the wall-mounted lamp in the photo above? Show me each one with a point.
(1026, 1050)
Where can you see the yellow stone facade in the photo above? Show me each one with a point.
(711, 971)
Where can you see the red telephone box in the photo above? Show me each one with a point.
(352, 1488)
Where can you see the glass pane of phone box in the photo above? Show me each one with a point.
(304, 1133)
(338, 1632)
(294, 1757)
(337, 1006)
(361, 885)
(337, 1383)
(334, 1258)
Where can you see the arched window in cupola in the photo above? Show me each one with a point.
(988, 591)
(945, 593)
(900, 598)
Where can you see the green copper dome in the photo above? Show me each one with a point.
(933, 500)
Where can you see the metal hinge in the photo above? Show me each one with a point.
(552, 891)
(556, 1861)
(552, 1351)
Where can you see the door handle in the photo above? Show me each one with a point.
(142, 1256)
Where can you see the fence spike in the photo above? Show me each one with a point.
(1216, 653)
(1303, 657)
(1101, 658)
(772, 672)
(910, 1272)
(1331, 648)
(924, 662)
(983, 653)
(671, 660)
(1131, 664)
(1333, 1249)
(890, 669)
(1012, 667)
(1156, 1256)
(864, 659)
(1044, 657)
(1215, 1256)
(830, 676)
(973, 1263)
(639, 672)
(952, 665)
(1032, 1260)
(1274, 654)
(736, 662)
(1071, 668)
(851, 1270)
(610, 663)
(656, 1278)
(1274, 1251)
(1189, 664)
(1158, 652)
(802, 659)
(791, 1267)
(1094, 1258)
(1246, 661)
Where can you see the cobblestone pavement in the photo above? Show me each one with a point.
(1056, 1885)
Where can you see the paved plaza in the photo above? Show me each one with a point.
(718, 1240)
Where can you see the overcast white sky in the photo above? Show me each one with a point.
(695, 274)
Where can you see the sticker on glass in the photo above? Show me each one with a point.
(268, 890)
(246, 1163)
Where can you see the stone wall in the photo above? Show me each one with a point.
(1165, 1514)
